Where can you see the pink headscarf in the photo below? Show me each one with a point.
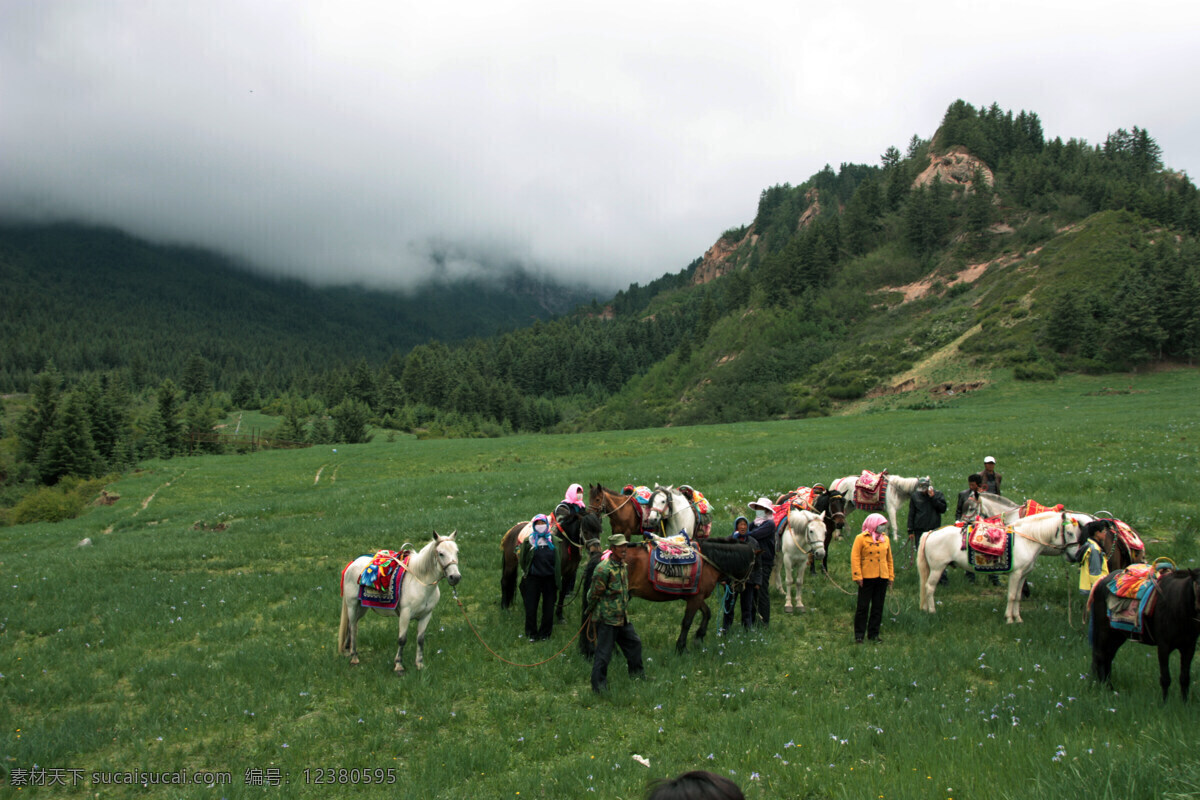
(871, 526)
(574, 495)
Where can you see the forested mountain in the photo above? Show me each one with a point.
(94, 300)
(984, 247)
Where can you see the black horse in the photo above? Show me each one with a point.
(1174, 625)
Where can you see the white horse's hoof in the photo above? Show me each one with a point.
(787, 609)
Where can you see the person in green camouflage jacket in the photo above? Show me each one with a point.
(608, 600)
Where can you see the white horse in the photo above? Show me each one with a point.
(419, 594)
(803, 537)
(986, 504)
(899, 491)
(669, 513)
(1048, 532)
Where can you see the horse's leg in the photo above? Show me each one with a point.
(685, 626)
(705, 615)
(1186, 652)
(1164, 672)
(422, 624)
(1016, 579)
(799, 587)
(568, 586)
(356, 613)
(785, 581)
(405, 617)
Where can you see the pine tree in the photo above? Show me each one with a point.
(351, 422)
(169, 427)
(197, 378)
(40, 417)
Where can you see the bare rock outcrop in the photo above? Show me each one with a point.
(955, 168)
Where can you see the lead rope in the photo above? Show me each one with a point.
(586, 620)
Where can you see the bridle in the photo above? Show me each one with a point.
(603, 503)
(443, 568)
(812, 541)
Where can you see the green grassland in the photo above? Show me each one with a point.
(198, 631)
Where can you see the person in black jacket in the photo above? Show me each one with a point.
(925, 510)
(741, 528)
(763, 532)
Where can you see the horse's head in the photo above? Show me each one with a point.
(597, 499)
(1075, 535)
(447, 556)
(836, 512)
(659, 507)
(816, 537)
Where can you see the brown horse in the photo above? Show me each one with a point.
(1116, 550)
(620, 509)
(1175, 625)
(724, 561)
(575, 532)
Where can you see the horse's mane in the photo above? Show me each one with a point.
(999, 500)
(730, 556)
(1043, 525)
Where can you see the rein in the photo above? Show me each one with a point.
(471, 625)
(604, 502)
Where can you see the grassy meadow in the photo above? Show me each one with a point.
(198, 631)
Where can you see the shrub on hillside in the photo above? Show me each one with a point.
(1035, 371)
(55, 503)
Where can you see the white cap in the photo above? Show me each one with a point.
(989, 460)
(762, 504)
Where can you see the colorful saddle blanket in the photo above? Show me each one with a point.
(1129, 536)
(380, 582)
(1031, 507)
(1132, 598)
(674, 566)
(870, 490)
(995, 555)
(1129, 582)
(698, 500)
(988, 536)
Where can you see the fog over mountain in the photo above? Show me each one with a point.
(382, 142)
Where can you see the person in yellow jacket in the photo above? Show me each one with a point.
(1093, 566)
(871, 566)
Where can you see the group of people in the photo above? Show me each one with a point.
(871, 562)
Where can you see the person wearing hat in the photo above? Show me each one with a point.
(872, 569)
(925, 509)
(991, 478)
(741, 533)
(608, 601)
(762, 531)
(541, 577)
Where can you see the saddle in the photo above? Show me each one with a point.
(1031, 507)
(380, 581)
(1131, 539)
(988, 543)
(674, 566)
(870, 489)
(1132, 598)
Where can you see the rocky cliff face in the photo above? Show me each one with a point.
(955, 168)
(716, 260)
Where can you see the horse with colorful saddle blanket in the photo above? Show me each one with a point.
(674, 565)
(988, 543)
(870, 490)
(380, 581)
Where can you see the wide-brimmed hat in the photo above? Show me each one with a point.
(617, 540)
(762, 504)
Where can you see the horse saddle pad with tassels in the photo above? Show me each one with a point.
(1129, 536)
(1031, 507)
(988, 543)
(379, 583)
(869, 490)
(674, 566)
(1131, 597)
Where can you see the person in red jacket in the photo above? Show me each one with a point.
(872, 569)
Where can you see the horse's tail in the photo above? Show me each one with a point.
(922, 568)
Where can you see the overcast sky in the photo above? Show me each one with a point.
(603, 143)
